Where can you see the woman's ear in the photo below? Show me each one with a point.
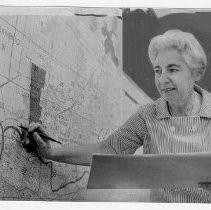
(198, 74)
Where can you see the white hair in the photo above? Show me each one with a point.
(190, 49)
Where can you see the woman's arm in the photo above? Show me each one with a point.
(125, 140)
(78, 155)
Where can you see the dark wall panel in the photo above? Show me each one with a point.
(140, 26)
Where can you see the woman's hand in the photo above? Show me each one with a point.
(205, 186)
(43, 145)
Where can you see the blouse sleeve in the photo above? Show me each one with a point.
(130, 136)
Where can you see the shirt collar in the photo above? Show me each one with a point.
(162, 110)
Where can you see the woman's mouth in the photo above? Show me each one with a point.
(167, 90)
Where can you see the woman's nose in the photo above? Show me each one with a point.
(164, 78)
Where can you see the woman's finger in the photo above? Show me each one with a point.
(33, 126)
(36, 127)
(39, 140)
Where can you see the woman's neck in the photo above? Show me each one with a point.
(190, 108)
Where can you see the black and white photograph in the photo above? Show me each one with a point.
(105, 104)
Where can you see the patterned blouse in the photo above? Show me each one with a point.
(158, 132)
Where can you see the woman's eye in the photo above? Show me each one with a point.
(173, 70)
(157, 71)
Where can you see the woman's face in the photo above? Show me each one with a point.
(173, 79)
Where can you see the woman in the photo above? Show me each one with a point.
(179, 121)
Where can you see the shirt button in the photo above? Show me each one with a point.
(172, 128)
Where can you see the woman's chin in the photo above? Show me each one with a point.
(171, 100)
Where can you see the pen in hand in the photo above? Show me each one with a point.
(41, 135)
